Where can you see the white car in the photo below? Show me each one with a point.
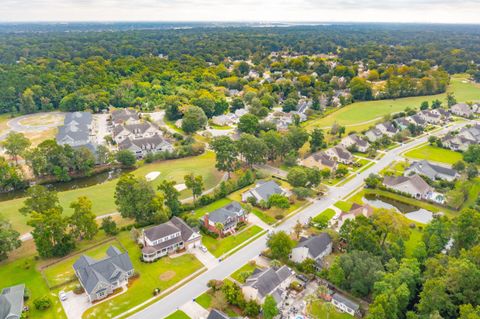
(62, 295)
(204, 249)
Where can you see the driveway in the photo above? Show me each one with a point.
(205, 258)
(101, 128)
(194, 310)
(75, 305)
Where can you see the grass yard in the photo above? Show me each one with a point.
(265, 217)
(204, 300)
(220, 246)
(101, 195)
(434, 153)
(25, 271)
(247, 268)
(62, 272)
(344, 206)
(397, 168)
(411, 243)
(210, 208)
(320, 309)
(360, 115)
(327, 214)
(162, 274)
(178, 315)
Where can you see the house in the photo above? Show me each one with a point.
(413, 185)
(101, 278)
(465, 137)
(76, 129)
(320, 160)
(134, 131)
(167, 238)
(125, 116)
(445, 114)
(269, 281)
(228, 216)
(387, 128)
(344, 304)
(471, 133)
(402, 123)
(217, 314)
(340, 154)
(417, 120)
(462, 109)
(263, 190)
(142, 146)
(283, 120)
(431, 117)
(355, 211)
(432, 171)
(373, 134)
(315, 247)
(224, 119)
(11, 302)
(355, 142)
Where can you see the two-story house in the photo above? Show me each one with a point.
(269, 281)
(227, 216)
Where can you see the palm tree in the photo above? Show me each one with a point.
(219, 227)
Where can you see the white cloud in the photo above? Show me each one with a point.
(447, 11)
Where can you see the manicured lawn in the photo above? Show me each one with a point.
(204, 300)
(320, 310)
(344, 206)
(396, 168)
(101, 195)
(434, 153)
(411, 243)
(161, 274)
(62, 272)
(247, 268)
(220, 246)
(213, 206)
(178, 315)
(327, 214)
(354, 115)
(24, 271)
(264, 216)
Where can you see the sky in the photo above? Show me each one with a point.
(428, 11)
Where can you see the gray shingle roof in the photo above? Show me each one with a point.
(90, 271)
(267, 189)
(143, 143)
(344, 300)
(173, 226)
(431, 170)
(415, 180)
(11, 302)
(76, 127)
(316, 244)
(217, 314)
(268, 280)
(221, 215)
(122, 115)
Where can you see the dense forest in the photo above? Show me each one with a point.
(148, 68)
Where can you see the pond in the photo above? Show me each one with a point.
(412, 212)
(73, 184)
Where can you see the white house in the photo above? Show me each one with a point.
(344, 304)
(355, 141)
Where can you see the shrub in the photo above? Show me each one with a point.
(42, 303)
(277, 200)
(78, 290)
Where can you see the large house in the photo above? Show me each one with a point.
(263, 190)
(466, 136)
(344, 304)
(355, 211)
(125, 116)
(431, 117)
(76, 130)
(228, 216)
(462, 109)
(269, 281)
(134, 131)
(413, 185)
(142, 146)
(417, 120)
(374, 134)
(320, 160)
(387, 128)
(11, 302)
(354, 141)
(432, 171)
(402, 123)
(340, 154)
(315, 247)
(100, 278)
(168, 238)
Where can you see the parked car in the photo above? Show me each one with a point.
(62, 295)
(204, 249)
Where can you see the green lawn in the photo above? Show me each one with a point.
(247, 268)
(62, 272)
(264, 216)
(327, 214)
(397, 168)
(178, 315)
(101, 195)
(354, 115)
(24, 271)
(213, 206)
(434, 153)
(220, 246)
(411, 243)
(320, 310)
(344, 206)
(161, 274)
(204, 300)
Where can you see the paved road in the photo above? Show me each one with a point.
(197, 286)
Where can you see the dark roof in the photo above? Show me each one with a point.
(222, 214)
(90, 271)
(431, 170)
(347, 302)
(143, 143)
(324, 159)
(267, 189)
(78, 118)
(133, 128)
(122, 115)
(316, 244)
(173, 226)
(217, 314)
(11, 302)
(342, 152)
(415, 180)
(266, 281)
